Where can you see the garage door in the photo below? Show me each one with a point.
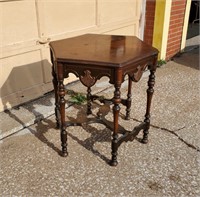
(28, 25)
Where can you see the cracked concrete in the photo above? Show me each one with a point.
(169, 165)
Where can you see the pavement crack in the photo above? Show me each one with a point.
(180, 138)
(180, 129)
(174, 133)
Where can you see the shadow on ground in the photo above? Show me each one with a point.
(42, 124)
(189, 58)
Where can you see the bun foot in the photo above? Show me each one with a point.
(64, 154)
(127, 117)
(113, 163)
(144, 141)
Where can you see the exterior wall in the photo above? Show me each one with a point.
(149, 21)
(27, 27)
(169, 21)
(176, 27)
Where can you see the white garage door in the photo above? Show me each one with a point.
(26, 26)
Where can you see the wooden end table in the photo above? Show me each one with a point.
(92, 56)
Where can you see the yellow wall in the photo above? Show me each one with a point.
(161, 26)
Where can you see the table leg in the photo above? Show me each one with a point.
(61, 92)
(116, 109)
(89, 101)
(150, 92)
(128, 101)
(55, 85)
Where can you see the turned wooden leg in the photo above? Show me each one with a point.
(150, 91)
(116, 109)
(61, 91)
(128, 101)
(55, 85)
(89, 101)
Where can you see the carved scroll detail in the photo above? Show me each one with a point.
(137, 74)
(87, 79)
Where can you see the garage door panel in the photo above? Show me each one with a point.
(9, 101)
(118, 11)
(20, 72)
(46, 64)
(18, 22)
(67, 16)
(129, 31)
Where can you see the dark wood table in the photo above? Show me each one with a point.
(93, 56)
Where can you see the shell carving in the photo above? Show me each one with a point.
(137, 74)
(87, 79)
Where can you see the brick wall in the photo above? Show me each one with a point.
(175, 27)
(149, 21)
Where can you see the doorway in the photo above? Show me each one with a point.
(193, 25)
